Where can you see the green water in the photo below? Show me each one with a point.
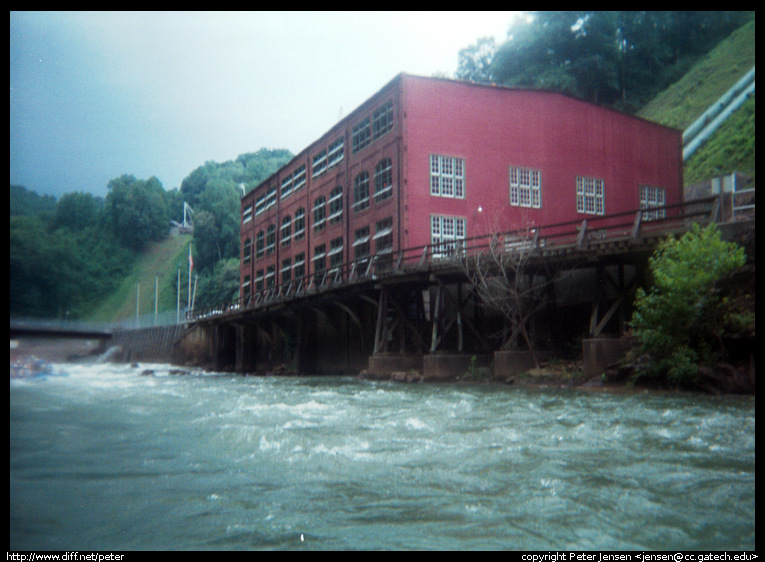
(104, 457)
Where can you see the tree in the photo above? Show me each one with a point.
(218, 285)
(474, 62)
(137, 211)
(680, 321)
(614, 58)
(77, 211)
(505, 283)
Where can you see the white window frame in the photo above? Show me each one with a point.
(447, 176)
(445, 233)
(650, 197)
(590, 196)
(525, 187)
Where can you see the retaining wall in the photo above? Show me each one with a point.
(154, 344)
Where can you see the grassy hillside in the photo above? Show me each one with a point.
(732, 147)
(683, 102)
(159, 263)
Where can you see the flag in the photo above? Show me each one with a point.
(191, 260)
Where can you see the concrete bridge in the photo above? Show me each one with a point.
(425, 309)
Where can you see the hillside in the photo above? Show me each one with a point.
(732, 147)
(158, 265)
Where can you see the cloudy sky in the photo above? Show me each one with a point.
(97, 95)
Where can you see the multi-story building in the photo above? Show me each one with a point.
(432, 161)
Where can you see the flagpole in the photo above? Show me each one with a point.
(178, 297)
(191, 266)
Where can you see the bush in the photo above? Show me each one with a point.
(680, 322)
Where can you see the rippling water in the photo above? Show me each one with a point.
(106, 457)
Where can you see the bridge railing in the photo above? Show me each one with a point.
(629, 227)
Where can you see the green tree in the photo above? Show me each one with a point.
(218, 285)
(77, 211)
(137, 211)
(614, 58)
(474, 62)
(679, 321)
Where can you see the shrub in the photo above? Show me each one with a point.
(679, 321)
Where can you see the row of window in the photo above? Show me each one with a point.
(447, 179)
(324, 211)
(526, 191)
(372, 127)
(446, 232)
(327, 260)
(369, 129)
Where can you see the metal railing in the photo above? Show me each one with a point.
(594, 233)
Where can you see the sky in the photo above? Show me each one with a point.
(94, 95)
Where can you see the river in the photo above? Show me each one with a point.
(119, 457)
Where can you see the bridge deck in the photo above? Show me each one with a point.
(619, 237)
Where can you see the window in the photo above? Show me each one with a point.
(299, 224)
(335, 152)
(319, 164)
(270, 239)
(590, 196)
(336, 205)
(299, 267)
(319, 259)
(336, 253)
(286, 231)
(247, 214)
(319, 213)
(266, 200)
(383, 180)
(447, 176)
(285, 273)
(246, 286)
(247, 250)
(298, 178)
(525, 187)
(260, 203)
(270, 276)
(361, 192)
(445, 234)
(259, 280)
(382, 120)
(286, 186)
(361, 136)
(361, 243)
(260, 244)
(651, 197)
(384, 236)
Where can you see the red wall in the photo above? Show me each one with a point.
(493, 128)
(490, 128)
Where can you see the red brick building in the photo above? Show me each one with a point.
(428, 160)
